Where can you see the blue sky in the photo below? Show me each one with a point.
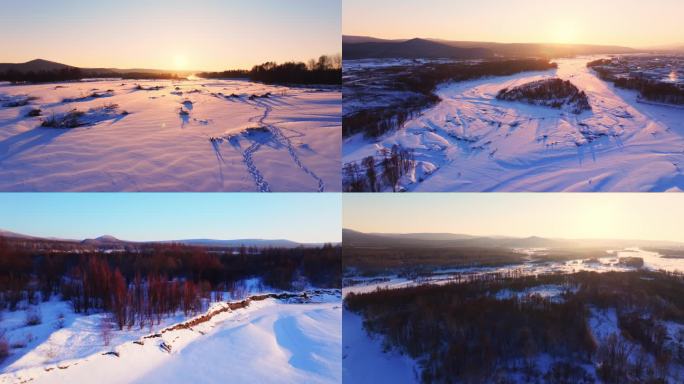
(169, 216)
(168, 34)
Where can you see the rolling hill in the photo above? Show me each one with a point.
(41, 65)
(353, 238)
(411, 49)
(36, 65)
(111, 241)
(365, 47)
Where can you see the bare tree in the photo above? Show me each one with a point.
(106, 329)
(371, 175)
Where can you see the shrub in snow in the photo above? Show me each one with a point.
(33, 112)
(33, 317)
(165, 347)
(4, 347)
(59, 324)
(153, 88)
(106, 327)
(93, 95)
(76, 118)
(67, 120)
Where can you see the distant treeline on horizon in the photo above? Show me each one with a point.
(73, 73)
(325, 70)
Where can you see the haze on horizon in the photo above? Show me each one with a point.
(646, 216)
(631, 23)
(203, 35)
(299, 217)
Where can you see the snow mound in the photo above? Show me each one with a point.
(263, 339)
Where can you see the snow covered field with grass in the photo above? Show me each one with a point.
(270, 340)
(471, 141)
(190, 135)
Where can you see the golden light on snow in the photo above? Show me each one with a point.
(673, 76)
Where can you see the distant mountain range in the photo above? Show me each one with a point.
(411, 49)
(366, 47)
(351, 238)
(39, 65)
(108, 240)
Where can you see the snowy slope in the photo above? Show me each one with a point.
(365, 361)
(471, 141)
(269, 341)
(156, 148)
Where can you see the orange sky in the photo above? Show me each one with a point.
(169, 34)
(634, 23)
(642, 216)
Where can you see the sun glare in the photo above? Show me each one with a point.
(564, 32)
(180, 62)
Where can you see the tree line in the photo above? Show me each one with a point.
(138, 285)
(73, 74)
(325, 70)
(648, 89)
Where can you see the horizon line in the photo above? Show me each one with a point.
(168, 70)
(662, 46)
(57, 238)
(509, 236)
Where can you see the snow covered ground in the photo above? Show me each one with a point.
(365, 360)
(471, 141)
(269, 341)
(157, 137)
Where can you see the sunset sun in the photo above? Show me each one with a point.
(180, 62)
(564, 32)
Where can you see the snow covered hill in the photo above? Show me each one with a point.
(265, 339)
(190, 135)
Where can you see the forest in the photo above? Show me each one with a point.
(421, 81)
(73, 74)
(140, 284)
(648, 89)
(373, 173)
(553, 92)
(325, 70)
(465, 332)
(417, 260)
